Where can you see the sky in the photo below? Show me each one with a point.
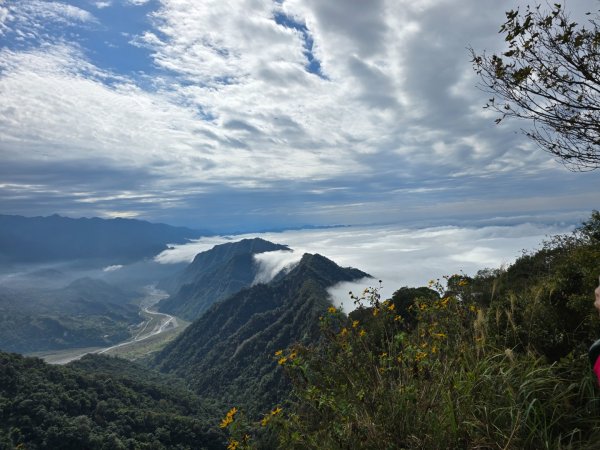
(242, 115)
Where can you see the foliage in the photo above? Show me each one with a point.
(550, 76)
(43, 406)
(498, 360)
(225, 355)
(85, 313)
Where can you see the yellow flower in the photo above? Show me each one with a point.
(472, 308)
(228, 417)
(375, 312)
(233, 444)
(355, 324)
(276, 411)
(265, 421)
(361, 333)
(434, 349)
(293, 355)
(278, 352)
(331, 309)
(384, 354)
(392, 307)
(282, 361)
(420, 355)
(225, 422)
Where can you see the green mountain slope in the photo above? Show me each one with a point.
(215, 275)
(86, 313)
(227, 354)
(52, 407)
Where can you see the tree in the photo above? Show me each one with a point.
(549, 76)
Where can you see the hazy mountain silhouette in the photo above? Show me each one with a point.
(56, 238)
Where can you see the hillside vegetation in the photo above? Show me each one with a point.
(226, 354)
(98, 403)
(494, 361)
(85, 313)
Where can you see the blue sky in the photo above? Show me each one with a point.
(244, 115)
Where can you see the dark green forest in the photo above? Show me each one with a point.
(98, 403)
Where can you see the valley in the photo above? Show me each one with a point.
(153, 333)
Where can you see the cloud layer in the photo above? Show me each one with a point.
(397, 256)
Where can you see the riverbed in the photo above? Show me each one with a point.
(154, 326)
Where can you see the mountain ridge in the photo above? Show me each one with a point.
(58, 238)
(214, 275)
(227, 352)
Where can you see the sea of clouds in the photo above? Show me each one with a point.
(397, 256)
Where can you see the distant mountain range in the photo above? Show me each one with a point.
(56, 238)
(215, 275)
(227, 354)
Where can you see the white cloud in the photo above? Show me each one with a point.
(397, 256)
(272, 263)
(35, 15)
(3, 18)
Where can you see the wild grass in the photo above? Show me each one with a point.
(497, 361)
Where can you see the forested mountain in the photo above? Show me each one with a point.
(99, 403)
(227, 354)
(215, 275)
(86, 313)
(56, 238)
